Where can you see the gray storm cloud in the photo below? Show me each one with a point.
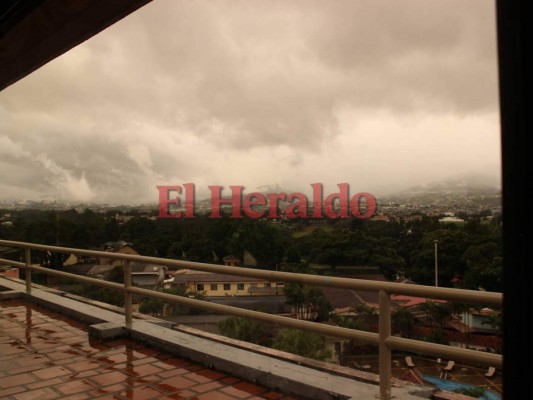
(59, 178)
(237, 92)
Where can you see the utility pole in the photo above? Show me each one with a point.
(436, 264)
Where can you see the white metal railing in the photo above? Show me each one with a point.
(383, 339)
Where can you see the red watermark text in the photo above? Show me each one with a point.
(179, 202)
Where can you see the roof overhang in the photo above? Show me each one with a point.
(34, 32)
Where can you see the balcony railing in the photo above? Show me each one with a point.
(383, 339)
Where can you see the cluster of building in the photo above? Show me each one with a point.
(471, 326)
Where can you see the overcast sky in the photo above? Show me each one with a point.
(279, 94)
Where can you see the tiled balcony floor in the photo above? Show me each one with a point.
(46, 356)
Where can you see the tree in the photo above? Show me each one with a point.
(352, 346)
(153, 306)
(244, 329)
(366, 316)
(457, 309)
(109, 296)
(484, 265)
(308, 302)
(260, 238)
(439, 314)
(291, 255)
(116, 275)
(403, 322)
(303, 343)
(495, 321)
(179, 309)
(452, 245)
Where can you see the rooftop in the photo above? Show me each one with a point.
(340, 298)
(47, 355)
(184, 276)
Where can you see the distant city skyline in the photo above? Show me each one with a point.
(261, 94)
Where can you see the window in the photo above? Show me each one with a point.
(240, 286)
(227, 286)
(199, 287)
(214, 286)
(253, 284)
(268, 284)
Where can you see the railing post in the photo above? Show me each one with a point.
(128, 297)
(385, 362)
(27, 261)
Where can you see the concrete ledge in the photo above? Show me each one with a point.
(10, 295)
(359, 375)
(107, 330)
(33, 285)
(164, 324)
(115, 309)
(444, 395)
(54, 301)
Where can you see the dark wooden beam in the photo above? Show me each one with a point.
(32, 33)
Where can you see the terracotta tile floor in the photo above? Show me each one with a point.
(44, 355)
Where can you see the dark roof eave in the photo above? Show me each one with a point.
(33, 35)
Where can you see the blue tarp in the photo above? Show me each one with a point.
(453, 386)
